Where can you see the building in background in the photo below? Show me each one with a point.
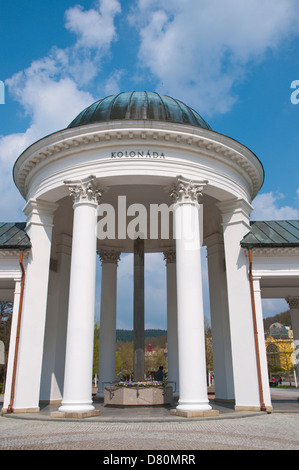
(280, 350)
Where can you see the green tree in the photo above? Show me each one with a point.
(118, 365)
(126, 353)
(96, 340)
(208, 345)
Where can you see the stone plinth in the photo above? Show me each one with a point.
(75, 414)
(137, 396)
(195, 414)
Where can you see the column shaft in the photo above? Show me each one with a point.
(12, 344)
(294, 310)
(28, 374)
(172, 320)
(138, 310)
(223, 370)
(191, 341)
(235, 216)
(107, 340)
(64, 266)
(56, 323)
(264, 386)
(77, 393)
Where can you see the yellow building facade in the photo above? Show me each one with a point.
(280, 349)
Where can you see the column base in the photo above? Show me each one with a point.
(194, 410)
(76, 408)
(252, 408)
(195, 413)
(75, 414)
(193, 406)
(20, 410)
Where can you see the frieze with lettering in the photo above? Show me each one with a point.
(137, 154)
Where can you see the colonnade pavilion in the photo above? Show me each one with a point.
(141, 173)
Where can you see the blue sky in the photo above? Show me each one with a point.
(233, 61)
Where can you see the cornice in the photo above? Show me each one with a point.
(285, 250)
(13, 253)
(102, 135)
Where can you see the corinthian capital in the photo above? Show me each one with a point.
(187, 191)
(109, 256)
(293, 302)
(170, 255)
(84, 190)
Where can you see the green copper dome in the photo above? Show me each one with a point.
(139, 105)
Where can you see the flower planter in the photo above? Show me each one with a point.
(137, 396)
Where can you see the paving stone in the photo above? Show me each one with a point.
(155, 429)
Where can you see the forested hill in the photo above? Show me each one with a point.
(128, 335)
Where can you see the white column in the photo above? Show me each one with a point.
(28, 375)
(47, 375)
(294, 310)
(56, 322)
(222, 359)
(235, 215)
(265, 388)
(63, 250)
(138, 319)
(172, 319)
(12, 344)
(192, 362)
(107, 340)
(77, 392)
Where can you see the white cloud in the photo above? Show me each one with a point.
(51, 103)
(198, 49)
(267, 207)
(49, 90)
(112, 85)
(94, 28)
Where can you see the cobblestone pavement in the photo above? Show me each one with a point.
(262, 432)
(153, 429)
